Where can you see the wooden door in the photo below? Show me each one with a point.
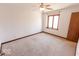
(73, 27)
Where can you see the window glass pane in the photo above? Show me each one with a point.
(55, 23)
(50, 21)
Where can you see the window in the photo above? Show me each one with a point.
(50, 22)
(53, 21)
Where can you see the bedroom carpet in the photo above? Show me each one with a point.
(41, 44)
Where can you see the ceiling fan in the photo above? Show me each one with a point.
(46, 7)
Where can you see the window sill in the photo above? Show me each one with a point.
(51, 28)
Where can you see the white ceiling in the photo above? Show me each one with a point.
(57, 6)
(35, 6)
(54, 6)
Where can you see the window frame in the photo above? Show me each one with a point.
(53, 21)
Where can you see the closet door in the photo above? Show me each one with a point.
(73, 27)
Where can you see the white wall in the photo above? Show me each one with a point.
(18, 20)
(65, 15)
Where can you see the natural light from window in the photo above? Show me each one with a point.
(50, 21)
(55, 23)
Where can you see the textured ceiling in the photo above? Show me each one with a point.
(55, 6)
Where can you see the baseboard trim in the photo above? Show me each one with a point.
(19, 38)
(32, 35)
(54, 35)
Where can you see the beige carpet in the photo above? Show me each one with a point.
(40, 45)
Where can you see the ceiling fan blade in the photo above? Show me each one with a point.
(46, 7)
